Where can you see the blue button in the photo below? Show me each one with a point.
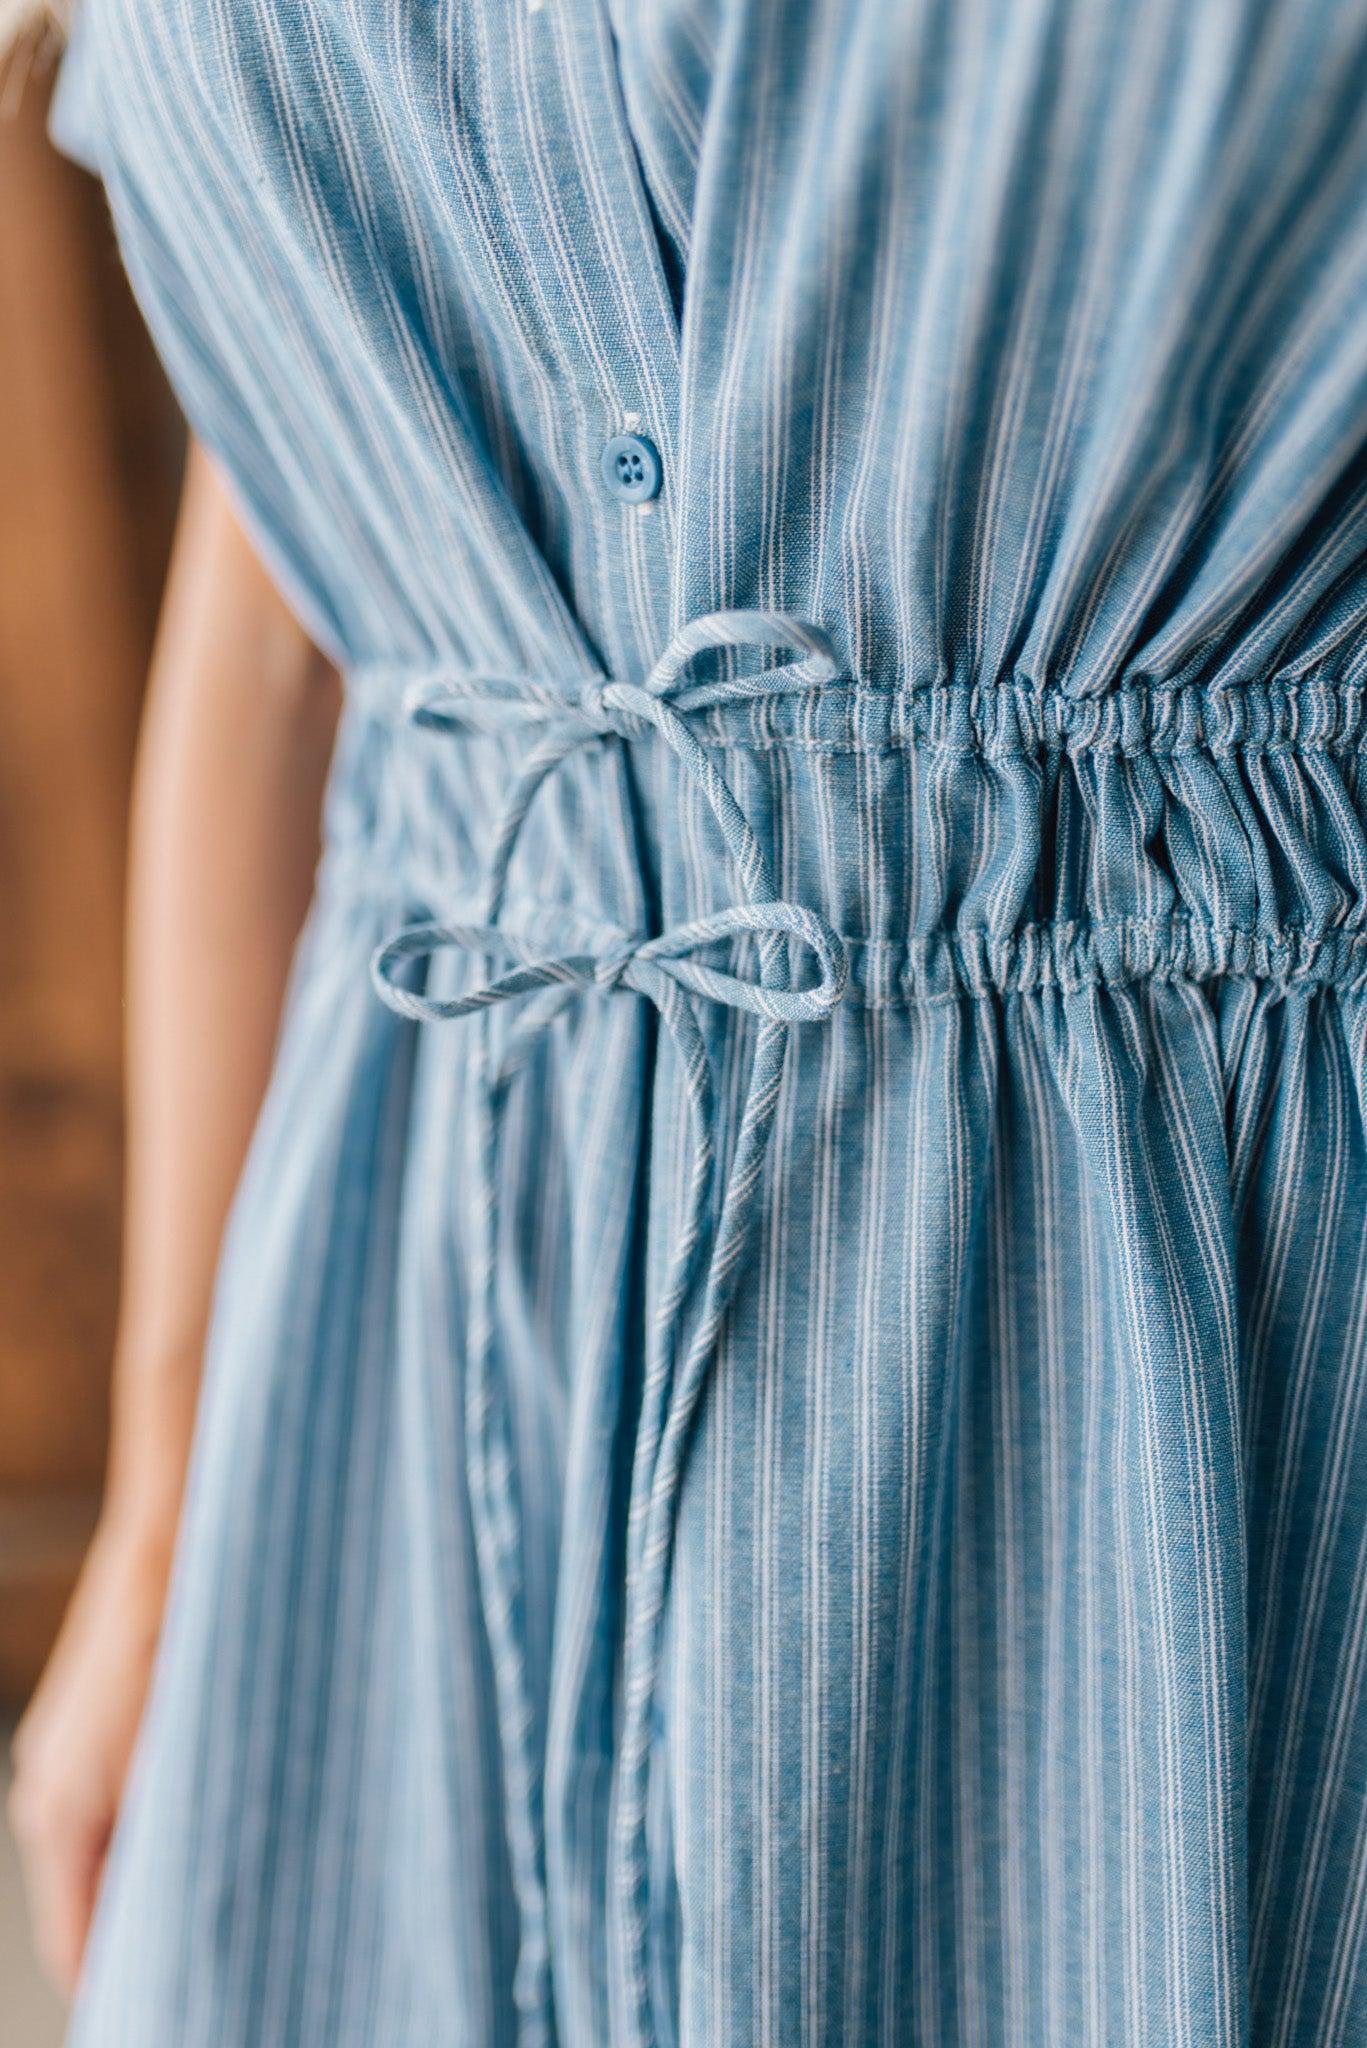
(631, 468)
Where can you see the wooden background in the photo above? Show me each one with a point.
(89, 458)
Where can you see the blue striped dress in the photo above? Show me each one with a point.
(783, 1456)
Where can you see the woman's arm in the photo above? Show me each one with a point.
(236, 737)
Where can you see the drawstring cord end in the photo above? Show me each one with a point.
(671, 971)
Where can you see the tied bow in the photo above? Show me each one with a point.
(668, 971)
(642, 965)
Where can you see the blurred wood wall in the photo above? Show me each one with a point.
(89, 460)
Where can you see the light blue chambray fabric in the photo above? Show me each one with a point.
(783, 1456)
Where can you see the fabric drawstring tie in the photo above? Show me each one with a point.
(669, 972)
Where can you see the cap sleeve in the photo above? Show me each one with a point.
(74, 121)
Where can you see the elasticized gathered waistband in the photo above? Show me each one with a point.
(962, 838)
(1010, 717)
